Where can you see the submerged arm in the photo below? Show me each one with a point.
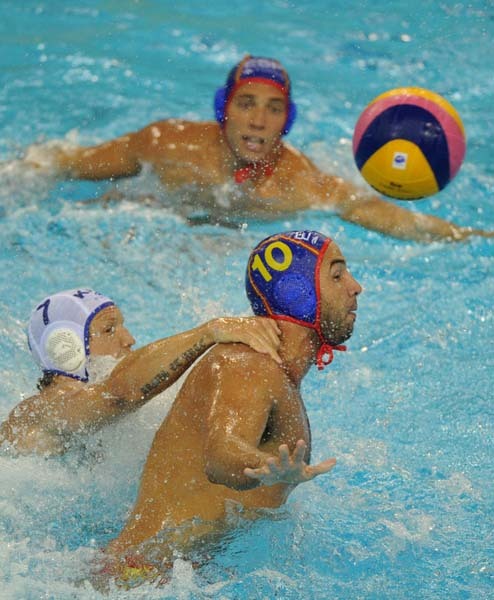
(380, 215)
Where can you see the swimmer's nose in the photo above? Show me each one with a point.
(127, 339)
(355, 287)
(258, 117)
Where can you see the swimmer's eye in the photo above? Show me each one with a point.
(245, 102)
(337, 274)
(277, 108)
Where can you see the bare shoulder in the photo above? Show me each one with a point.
(310, 186)
(181, 131)
(27, 419)
(238, 365)
(295, 161)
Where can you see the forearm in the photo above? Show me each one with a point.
(398, 222)
(113, 159)
(385, 216)
(227, 459)
(153, 368)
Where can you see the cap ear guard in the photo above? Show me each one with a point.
(220, 101)
(65, 349)
(295, 296)
(220, 104)
(291, 116)
(62, 349)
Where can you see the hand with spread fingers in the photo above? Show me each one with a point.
(289, 468)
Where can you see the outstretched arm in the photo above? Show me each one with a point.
(372, 212)
(113, 159)
(146, 372)
(238, 453)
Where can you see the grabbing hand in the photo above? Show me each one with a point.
(260, 333)
(289, 469)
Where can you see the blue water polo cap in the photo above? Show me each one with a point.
(58, 331)
(281, 275)
(283, 282)
(255, 69)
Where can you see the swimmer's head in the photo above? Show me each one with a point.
(283, 281)
(58, 331)
(260, 70)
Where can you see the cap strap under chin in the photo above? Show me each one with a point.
(251, 171)
(325, 356)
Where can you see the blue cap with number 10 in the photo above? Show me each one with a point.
(283, 281)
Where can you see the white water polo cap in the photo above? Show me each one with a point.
(58, 331)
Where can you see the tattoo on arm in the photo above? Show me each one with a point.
(149, 388)
(176, 368)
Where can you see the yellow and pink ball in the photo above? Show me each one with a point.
(409, 143)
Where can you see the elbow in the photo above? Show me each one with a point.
(222, 471)
(217, 471)
(213, 473)
(235, 481)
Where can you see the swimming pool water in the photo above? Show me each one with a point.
(407, 411)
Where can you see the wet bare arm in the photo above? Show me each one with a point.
(150, 370)
(114, 159)
(39, 424)
(369, 210)
(110, 160)
(239, 413)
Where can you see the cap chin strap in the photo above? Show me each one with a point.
(251, 171)
(325, 355)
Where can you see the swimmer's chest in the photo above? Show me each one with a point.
(229, 199)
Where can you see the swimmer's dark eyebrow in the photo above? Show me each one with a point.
(272, 99)
(337, 261)
(108, 321)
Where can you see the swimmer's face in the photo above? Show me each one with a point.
(339, 291)
(255, 118)
(108, 335)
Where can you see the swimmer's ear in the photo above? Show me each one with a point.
(65, 349)
(291, 116)
(294, 295)
(220, 104)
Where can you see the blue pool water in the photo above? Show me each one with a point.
(407, 411)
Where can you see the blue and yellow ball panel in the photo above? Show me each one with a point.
(409, 143)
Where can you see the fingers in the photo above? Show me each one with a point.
(252, 473)
(284, 453)
(267, 348)
(289, 468)
(268, 336)
(323, 467)
(466, 232)
(271, 328)
(260, 333)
